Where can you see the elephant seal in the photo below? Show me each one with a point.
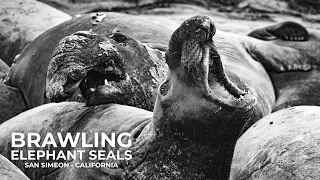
(288, 31)
(238, 53)
(10, 171)
(118, 69)
(18, 27)
(38, 54)
(282, 145)
(199, 112)
(27, 75)
(237, 62)
(295, 87)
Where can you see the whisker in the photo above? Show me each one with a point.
(231, 56)
(226, 47)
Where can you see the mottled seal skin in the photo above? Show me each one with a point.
(283, 145)
(29, 71)
(117, 69)
(297, 87)
(199, 112)
(241, 68)
(135, 67)
(30, 68)
(22, 21)
(9, 171)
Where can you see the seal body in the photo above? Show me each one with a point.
(38, 54)
(197, 98)
(282, 145)
(118, 69)
(12, 102)
(299, 87)
(287, 31)
(73, 117)
(291, 42)
(22, 21)
(10, 171)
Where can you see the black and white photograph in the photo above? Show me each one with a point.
(159, 89)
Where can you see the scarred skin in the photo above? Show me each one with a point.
(87, 60)
(202, 106)
(36, 57)
(139, 81)
(239, 65)
(27, 75)
(198, 116)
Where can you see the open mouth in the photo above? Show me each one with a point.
(105, 83)
(90, 62)
(217, 85)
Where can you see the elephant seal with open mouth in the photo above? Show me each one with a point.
(199, 113)
(129, 80)
(118, 69)
(141, 52)
(201, 107)
(30, 68)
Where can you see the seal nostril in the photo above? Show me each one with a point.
(201, 35)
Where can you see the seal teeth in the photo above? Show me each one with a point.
(110, 68)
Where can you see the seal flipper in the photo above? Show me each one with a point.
(277, 58)
(288, 31)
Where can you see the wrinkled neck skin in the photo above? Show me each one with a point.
(189, 142)
(198, 114)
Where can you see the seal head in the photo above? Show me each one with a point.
(197, 86)
(117, 69)
(199, 110)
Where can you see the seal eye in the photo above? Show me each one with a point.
(119, 38)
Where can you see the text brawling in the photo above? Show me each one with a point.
(80, 141)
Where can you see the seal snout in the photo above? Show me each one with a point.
(194, 59)
(198, 28)
(83, 60)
